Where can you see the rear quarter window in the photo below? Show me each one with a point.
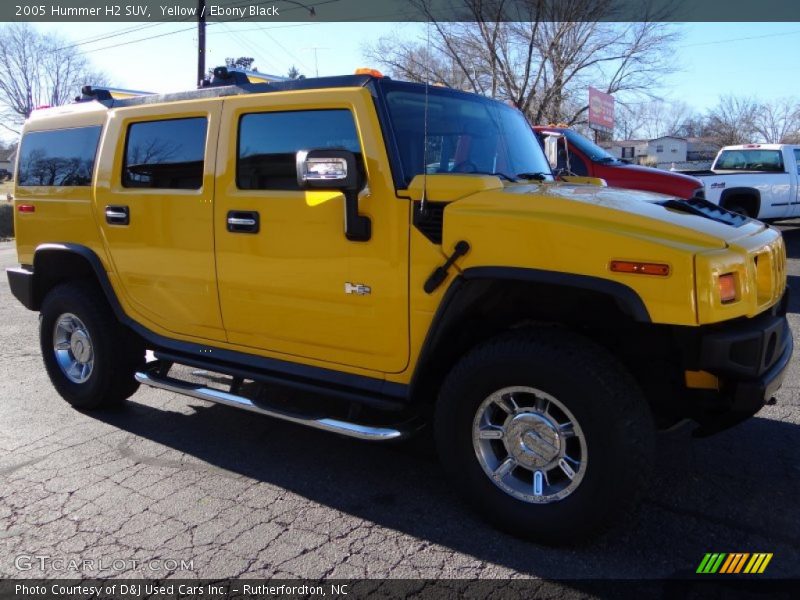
(58, 157)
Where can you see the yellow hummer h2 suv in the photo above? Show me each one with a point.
(402, 255)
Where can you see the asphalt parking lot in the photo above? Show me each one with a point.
(224, 493)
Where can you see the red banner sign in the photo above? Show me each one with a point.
(601, 110)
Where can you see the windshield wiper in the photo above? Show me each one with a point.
(496, 174)
(538, 176)
(607, 159)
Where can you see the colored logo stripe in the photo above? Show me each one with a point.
(736, 562)
(758, 563)
(711, 562)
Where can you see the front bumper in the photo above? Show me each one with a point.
(750, 358)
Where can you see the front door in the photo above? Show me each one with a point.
(154, 202)
(290, 282)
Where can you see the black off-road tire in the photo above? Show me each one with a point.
(604, 399)
(117, 351)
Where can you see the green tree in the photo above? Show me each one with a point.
(294, 73)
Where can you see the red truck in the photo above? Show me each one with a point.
(580, 156)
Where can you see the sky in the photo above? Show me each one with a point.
(713, 59)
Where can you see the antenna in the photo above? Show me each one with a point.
(423, 203)
(315, 49)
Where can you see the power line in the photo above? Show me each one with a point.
(153, 37)
(282, 47)
(257, 50)
(742, 39)
(116, 33)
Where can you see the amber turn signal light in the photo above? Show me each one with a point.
(727, 288)
(368, 71)
(639, 268)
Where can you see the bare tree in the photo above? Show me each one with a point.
(732, 120)
(777, 121)
(38, 69)
(653, 118)
(543, 64)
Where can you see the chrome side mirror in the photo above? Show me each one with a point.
(334, 169)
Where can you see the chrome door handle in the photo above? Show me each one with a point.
(118, 215)
(242, 221)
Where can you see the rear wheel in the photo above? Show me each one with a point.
(90, 357)
(546, 434)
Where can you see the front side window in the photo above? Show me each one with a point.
(58, 157)
(750, 160)
(797, 159)
(165, 154)
(269, 142)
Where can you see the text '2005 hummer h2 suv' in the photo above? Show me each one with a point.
(404, 252)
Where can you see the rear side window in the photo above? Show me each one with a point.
(797, 159)
(750, 160)
(58, 157)
(165, 154)
(268, 143)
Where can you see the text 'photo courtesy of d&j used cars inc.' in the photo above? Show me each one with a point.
(400, 299)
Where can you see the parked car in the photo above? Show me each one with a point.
(757, 180)
(5, 175)
(580, 156)
(296, 233)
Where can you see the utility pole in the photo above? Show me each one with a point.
(201, 42)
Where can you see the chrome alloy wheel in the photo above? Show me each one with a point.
(72, 346)
(529, 444)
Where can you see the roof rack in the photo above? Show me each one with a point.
(227, 76)
(236, 84)
(90, 92)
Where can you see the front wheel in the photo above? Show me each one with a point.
(90, 358)
(546, 434)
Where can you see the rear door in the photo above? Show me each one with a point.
(154, 204)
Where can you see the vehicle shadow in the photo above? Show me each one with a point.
(703, 497)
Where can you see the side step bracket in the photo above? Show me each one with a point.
(155, 377)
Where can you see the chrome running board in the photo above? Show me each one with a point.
(196, 390)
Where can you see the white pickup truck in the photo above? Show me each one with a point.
(757, 180)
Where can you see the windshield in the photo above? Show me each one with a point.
(589, 149)
(465, 134)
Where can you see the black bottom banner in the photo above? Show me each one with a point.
(496, 589)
